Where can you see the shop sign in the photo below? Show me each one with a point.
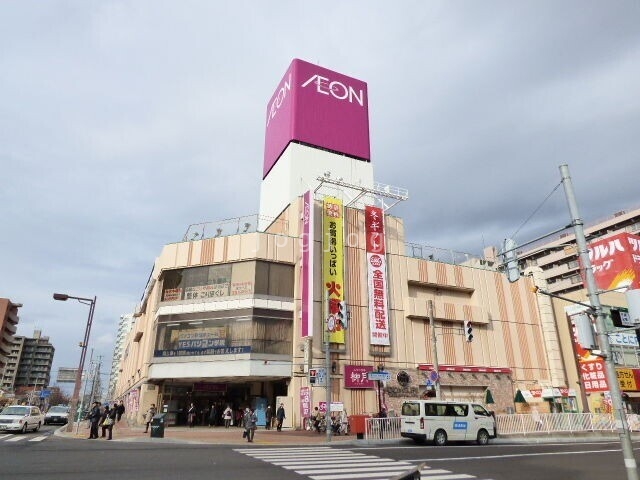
(356, 376)
(305, 402)
(377, 276)
(627, 378)
(593, 375)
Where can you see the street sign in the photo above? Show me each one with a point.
(45, 393)
(379, 376)
(318, 377)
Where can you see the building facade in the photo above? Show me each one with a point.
(29, 364)
(326, 304)
(8, 327)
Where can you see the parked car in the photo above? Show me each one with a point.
(20, 418)
(57, 414)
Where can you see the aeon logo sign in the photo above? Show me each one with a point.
(283, 92)
(336, 89)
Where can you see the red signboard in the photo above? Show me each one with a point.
(355, 376)
(593, 375)
(616, 261)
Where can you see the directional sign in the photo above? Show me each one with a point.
(379, 376)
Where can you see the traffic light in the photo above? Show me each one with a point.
(468, 330)
(620, 317)
(511, 260)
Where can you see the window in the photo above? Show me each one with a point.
(237, 279)
(411, 409)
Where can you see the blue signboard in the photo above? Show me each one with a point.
(459, 425)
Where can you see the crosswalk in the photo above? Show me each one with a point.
(327, 463)
(9, 437)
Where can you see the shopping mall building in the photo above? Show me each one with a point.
(242, 312)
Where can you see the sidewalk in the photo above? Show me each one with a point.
(124, 432)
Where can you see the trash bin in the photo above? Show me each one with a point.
(358, 425)
(157, 426)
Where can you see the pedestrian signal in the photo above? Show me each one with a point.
(468, 330)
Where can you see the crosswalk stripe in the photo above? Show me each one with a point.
(453, 476)
(4, 436)
(385, 468)
(346, 463)
(39, 438)
(15, 439)
(357, 475)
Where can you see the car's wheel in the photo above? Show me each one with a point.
(37, 427)
(483, 437)
(24, 428)
(440, 438)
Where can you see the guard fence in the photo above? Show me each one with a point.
(521, 424)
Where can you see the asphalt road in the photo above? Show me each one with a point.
(44, 456)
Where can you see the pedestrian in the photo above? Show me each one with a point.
(250, 422)
(239, 417)
(119, 410)
(191, 415)
(280, 416)
(149, 416)
(316, 419)
(268, 415)
(382, 415)
(94, 420)
(213, 413)
(107, 419)
(226, 415)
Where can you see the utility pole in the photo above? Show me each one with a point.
(434, 348)
(327, 366)
(603, 339)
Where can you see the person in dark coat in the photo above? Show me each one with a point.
(107, 419)
(94, 418)
(268, 416)
(280, 416)
(119, 410)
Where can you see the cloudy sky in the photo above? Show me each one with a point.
(123, 122)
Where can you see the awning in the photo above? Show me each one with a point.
(488, 398)
(519, 398)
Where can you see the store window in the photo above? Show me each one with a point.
(225, 333)
(237, 279)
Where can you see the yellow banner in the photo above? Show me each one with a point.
(626, 379)
(333, 267)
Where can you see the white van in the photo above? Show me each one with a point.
(441, 421)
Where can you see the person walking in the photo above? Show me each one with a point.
(149, 416)
(226, 415)
(250, 422)
(119, 406)
(280, 416)
(316, 419)
(94, 420)
(191, 415)
(107, 419)
(268, 416)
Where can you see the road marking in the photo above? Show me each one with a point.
(327, 463)
(15, 439)
(38, 439)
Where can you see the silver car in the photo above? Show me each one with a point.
(57, 414)
(20, 418)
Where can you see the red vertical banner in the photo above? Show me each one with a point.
(377, 276)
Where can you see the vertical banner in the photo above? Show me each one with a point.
(377, 275)
(306, 276)
(593, 372)
(333, 266)
(305, 404)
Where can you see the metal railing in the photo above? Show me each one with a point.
(520, 424)
(382, 428)
(548, 423)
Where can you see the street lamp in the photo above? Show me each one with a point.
(83, 353)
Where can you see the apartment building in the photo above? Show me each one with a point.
(29, 363)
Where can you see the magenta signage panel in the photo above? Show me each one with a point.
(355, 376)
(320, 107)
